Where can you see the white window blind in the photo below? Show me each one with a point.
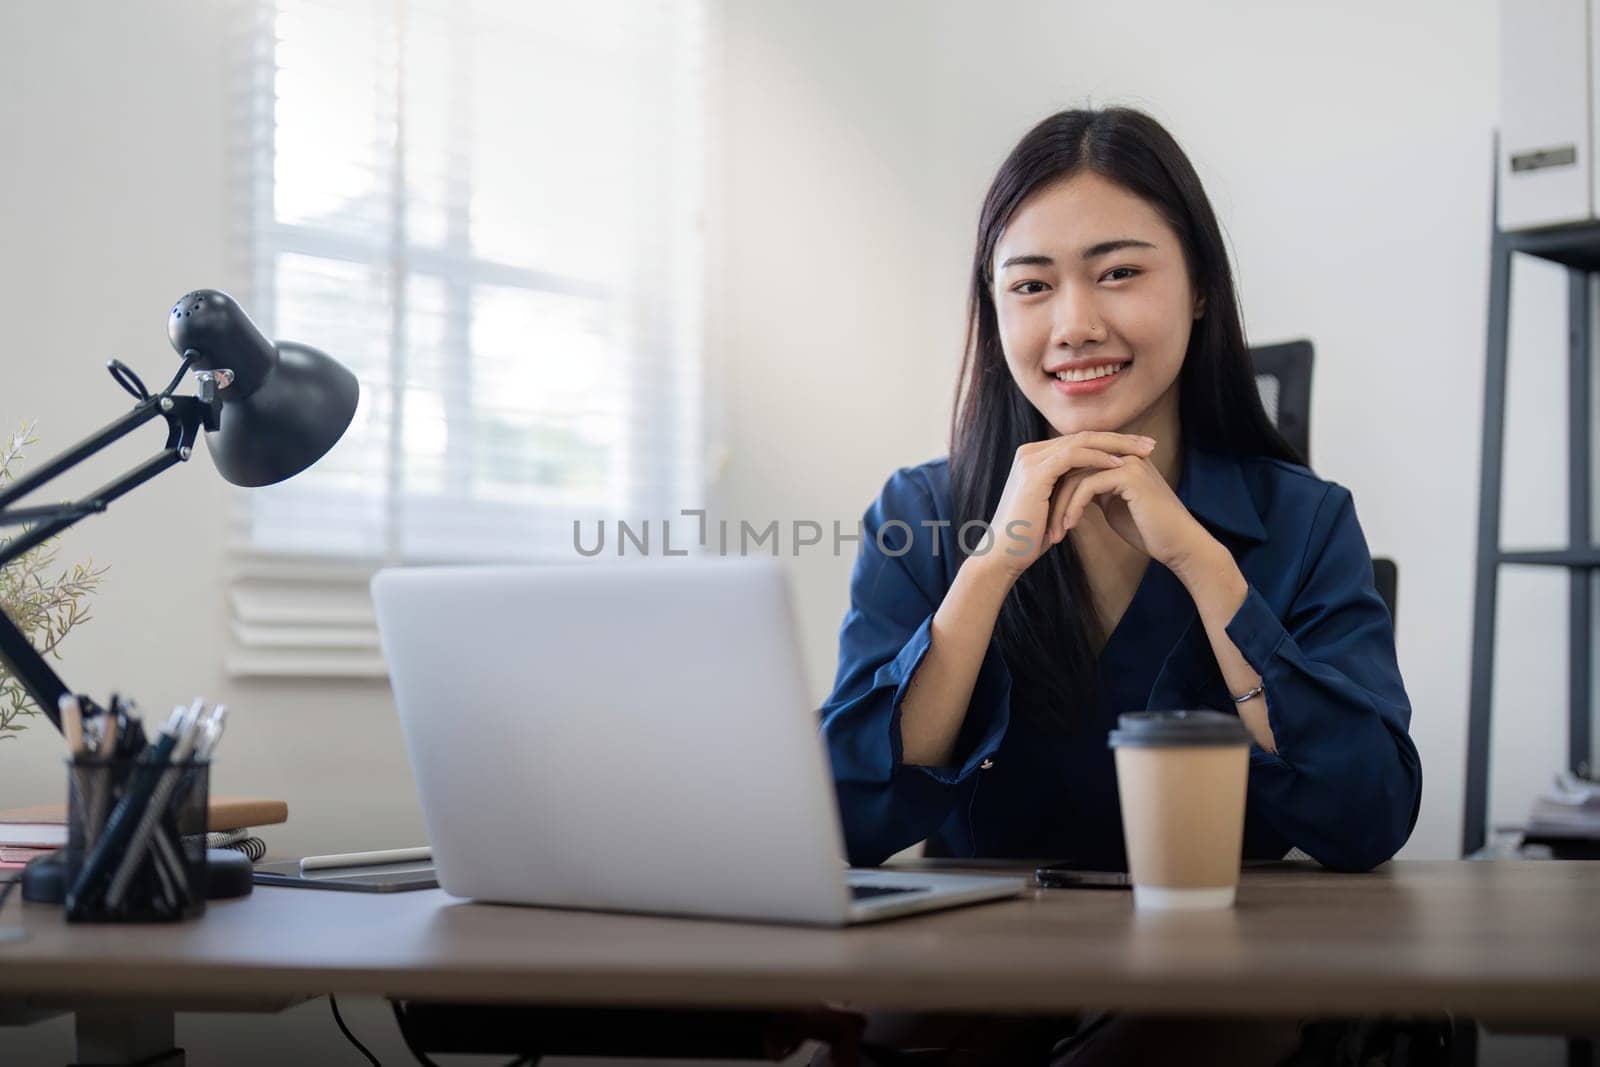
(493, 213)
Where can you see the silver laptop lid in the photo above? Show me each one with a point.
(632, 735)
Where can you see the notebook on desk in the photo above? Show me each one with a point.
(222, 813)
(632, 736)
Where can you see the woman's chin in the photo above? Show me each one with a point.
(1072, 417)
(1084, 424)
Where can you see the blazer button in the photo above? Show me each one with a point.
(986, 764)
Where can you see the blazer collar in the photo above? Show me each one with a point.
(1213, 488)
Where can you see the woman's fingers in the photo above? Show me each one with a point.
(1057, 466)
(1059, 471)
(1061, 461)
(1035, 492)
(1089, 487)
(1055, 530)
(1069, 461)
(1123, 444)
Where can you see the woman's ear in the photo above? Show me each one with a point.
(1199, 307)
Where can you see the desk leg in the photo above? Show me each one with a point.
(123, 1035)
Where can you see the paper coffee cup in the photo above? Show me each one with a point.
(1181, 778)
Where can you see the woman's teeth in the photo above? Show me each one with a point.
(1089, 375)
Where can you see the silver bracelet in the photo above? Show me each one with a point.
(1257, 691)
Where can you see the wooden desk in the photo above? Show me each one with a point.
(1514, 943)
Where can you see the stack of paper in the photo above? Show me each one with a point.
(1570, 811)
(23, 839)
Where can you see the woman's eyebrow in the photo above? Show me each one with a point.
(1104, 248)
(1107, 247)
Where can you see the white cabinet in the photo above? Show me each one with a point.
(1548, 76)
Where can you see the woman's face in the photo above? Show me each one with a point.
(1091, 282)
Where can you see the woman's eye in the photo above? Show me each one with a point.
(1126, 272)
(1022, 288)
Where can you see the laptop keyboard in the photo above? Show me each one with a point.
(863, 892)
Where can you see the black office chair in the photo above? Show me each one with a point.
(1283, 376)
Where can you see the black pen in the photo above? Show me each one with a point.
(155, 809)
(130, 734)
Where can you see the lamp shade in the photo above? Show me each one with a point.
(287, 404)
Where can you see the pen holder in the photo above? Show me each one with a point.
(136, 846)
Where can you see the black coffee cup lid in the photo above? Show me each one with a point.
(1151, 729)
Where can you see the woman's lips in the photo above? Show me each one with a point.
(1091, 387)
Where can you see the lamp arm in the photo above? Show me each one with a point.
(185, 416)
(42, 683)
(142, 413)
(23, 516)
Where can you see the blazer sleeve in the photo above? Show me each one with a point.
(1346, 783)
(896, 585)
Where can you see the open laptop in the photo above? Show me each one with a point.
(630, 736)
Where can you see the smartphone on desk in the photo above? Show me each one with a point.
(1070, 875)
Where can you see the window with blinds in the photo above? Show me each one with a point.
(492, 212)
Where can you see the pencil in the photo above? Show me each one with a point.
(72, 723)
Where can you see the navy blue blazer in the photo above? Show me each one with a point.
(1344, 786)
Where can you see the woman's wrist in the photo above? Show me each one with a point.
(1212, 577)
(993, 575)
(1200, 559)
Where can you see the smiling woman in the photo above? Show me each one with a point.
(1151, 542)
(1162, 547)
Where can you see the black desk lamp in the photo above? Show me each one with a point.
(269, 412)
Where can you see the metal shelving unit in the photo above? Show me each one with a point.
(1577, 247)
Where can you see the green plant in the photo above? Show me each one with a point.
(43, 607)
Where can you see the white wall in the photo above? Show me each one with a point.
(1346, 148)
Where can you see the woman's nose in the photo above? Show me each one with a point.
(1076, 321)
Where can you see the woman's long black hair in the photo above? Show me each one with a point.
(1047, 620)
